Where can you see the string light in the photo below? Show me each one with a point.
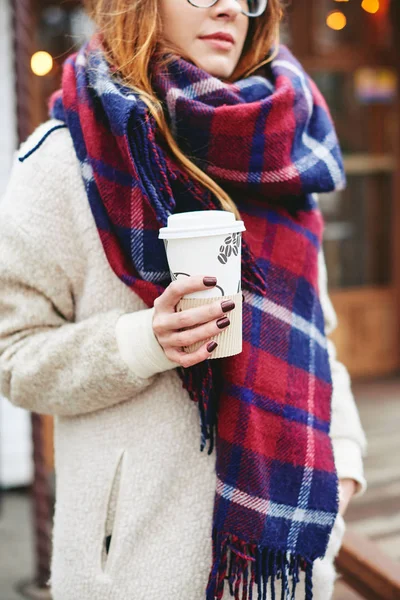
(336, 20)
(371, 6)
(41, 63)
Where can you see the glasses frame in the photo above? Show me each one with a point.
(264, 4)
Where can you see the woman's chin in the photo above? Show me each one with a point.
(217, 66)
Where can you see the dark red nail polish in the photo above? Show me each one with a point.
(227, 305)
(211, 346)
(210, 281)
(223, 322)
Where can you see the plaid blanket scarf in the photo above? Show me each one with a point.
(269, 141)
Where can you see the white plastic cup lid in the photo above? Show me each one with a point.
(200, 223)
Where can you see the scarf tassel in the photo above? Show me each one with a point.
(251, 571)
(203, 382)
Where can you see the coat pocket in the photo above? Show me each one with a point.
(113, 517)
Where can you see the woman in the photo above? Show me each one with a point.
(160, 114)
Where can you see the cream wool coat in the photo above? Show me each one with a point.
(76, 343)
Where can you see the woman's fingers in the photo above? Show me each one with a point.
(197, 334)
(189, 359)
(175, 330)
(179, 288)
(191, 317)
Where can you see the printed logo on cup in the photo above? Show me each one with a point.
(231, 246)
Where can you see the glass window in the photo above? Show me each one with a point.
(61, 29)
(358, 232)
(363, 107)
(356, 30)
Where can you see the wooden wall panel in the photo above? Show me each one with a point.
(367, 338)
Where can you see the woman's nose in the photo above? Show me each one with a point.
(227, 8)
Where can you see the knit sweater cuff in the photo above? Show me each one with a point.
(349, 463)
(138, 345)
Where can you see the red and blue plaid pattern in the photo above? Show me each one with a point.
(270, 142)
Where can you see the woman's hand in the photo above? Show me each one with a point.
(347, 489)
(204, 321)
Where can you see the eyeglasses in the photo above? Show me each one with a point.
(250, 8)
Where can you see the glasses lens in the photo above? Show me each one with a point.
(251, 8)
(202, 3)
(254, 8)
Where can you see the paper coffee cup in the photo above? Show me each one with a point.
(208, 243)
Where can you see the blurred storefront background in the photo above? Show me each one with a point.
(15, 438)
(352, 50)
(349, 47)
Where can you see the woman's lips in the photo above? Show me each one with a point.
(218, 43)
(221, 41)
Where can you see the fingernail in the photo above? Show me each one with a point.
(211, 346)
(227, 305)
(210, 281)
(223, 322)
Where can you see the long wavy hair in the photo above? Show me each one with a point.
(131, 32)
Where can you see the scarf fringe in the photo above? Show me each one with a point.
(253, 278)
(251, 571)
(203, 383)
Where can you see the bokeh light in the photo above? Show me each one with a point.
(336, 20)
(41, 63)
(371, 6)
